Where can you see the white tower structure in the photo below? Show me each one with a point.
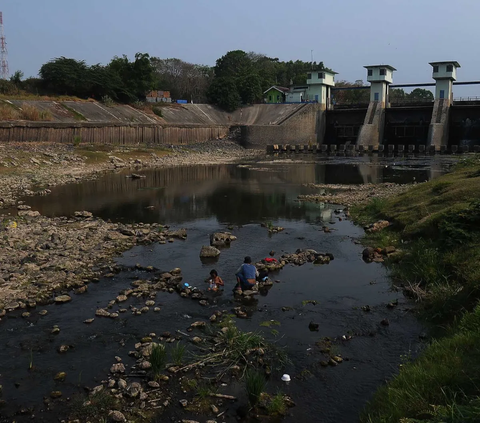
(5, 73)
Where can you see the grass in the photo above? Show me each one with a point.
(158, 359)
(255, 384)
(445, 377)
(96, 406)
(437, 227)
(177, 353)
(29, 112)
(277, 405)
(270, 323)
(76, 115)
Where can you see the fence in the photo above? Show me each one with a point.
(109, 134)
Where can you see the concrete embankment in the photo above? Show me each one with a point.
(93, 122)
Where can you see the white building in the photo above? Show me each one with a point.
(319, 84)
(380, 77)
(444, 74)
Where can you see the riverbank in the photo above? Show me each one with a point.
(32, 168)
(437, 227)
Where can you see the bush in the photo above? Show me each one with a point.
(158, 359)
(254, 384)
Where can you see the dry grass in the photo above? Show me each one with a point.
(29, 112)
(8, 112)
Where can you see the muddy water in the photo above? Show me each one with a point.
(207, 199)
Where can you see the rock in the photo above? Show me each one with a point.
(55, 394)
(181, 234)
(150, 303)
(23, 207)
(26, 314)
(313, 326)
(156, 309)
(337, 359)
(214, 409)
(145, 365)
(377, 226)
(81, 290)
(117, 368)
(368, 254)
(63, 348)
(102, 313)
(198, 325)
(122, 384)
(385, 322)
(28, 213)
(88, 321)
(203, 302)
(196, 340)
(221, 239)
(209, 252)
(366, 308)
(121, 298)
(388, 250)
(55, 330)
(60, 376)
(117, 416)
(324, 363)
(83, 214)
(63, 299)
(153, 384)
(135, 389)
(43, 312)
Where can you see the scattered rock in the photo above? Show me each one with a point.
(385, 322)
(313, 326)
(55, 394)
(209, 252)
(60, 376)
(63, 299)
(117, 368)
(117, 416)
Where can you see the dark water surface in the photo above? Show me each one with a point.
(205, 199)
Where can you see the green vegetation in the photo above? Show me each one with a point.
(96, 406)
(158, 359)
(270, 323)
(277, 405)
(437, 227)
(254, 385)
(177, 353)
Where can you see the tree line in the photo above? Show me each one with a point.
(237, 78)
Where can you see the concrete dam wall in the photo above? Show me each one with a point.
(93, 122)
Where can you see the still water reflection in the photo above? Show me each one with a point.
(232, 193)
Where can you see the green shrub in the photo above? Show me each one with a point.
(254, 384)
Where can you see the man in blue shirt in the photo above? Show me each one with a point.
(246, 275)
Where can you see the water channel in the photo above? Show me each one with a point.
(206, 199)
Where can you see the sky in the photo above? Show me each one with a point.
(344, 34)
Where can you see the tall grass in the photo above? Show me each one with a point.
(277, 405)
(158, 359)
(8, 113)
(177, 353)
(254, 385)
(29, 112)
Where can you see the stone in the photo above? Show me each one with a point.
(150, 303)
(26, 314)
(209, 252)
(196, 340)
(198, 325)
(368, 254)
(313, 326)
(121, 298)
(366, 308)
(214, 409)
(43, 312)
(152, 384)
(102, 313)
(337, 359)
(156, 309)
(117, 416)
(55, 330)
(117, 368)
(55, 394)
(203, 302)
(83, 214)
(388, 250)
(145, 365)
(221, 239)
(63, 299)
(63, 348)
(122, 384)
(385, 322)
(28, 213)
(88, 321)
(60, 376)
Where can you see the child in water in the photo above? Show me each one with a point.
(215, 281)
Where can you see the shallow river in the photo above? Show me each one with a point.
(206, 199)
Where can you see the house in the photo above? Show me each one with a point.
(275, 94)
(159, 97)
(297, 95)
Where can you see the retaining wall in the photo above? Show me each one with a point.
(109, 133)
(301, 127)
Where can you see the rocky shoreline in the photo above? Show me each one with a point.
(350, 195)
(33, 168)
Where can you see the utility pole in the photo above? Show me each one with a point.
(4, 72)
(311, 53)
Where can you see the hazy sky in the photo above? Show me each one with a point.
(344, 34)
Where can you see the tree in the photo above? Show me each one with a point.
(234, 64)
(16, 78)
(66, 76)
(223, 92)
(421, 95)
(249, 88)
